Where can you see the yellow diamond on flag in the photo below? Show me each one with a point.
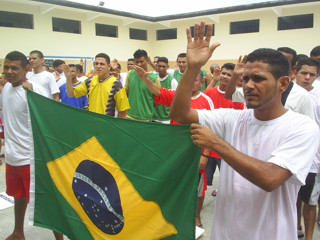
(104, 198)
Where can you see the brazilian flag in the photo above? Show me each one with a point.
(100, 177)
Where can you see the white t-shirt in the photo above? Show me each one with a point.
(123, 78)
(174, 82)
(315, 96)
(243, 210)
(47, 81)
(298, 100)
(13, 102)
(62, 79)
(82, 79)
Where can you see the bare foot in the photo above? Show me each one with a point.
(16, 236)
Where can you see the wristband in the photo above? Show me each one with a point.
(207, 156)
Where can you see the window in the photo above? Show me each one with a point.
(295, 22)
(249, 26)
(138, 34)
(16, 20)
(165, 34)
(206, 29)
(66, 25)
(106, 30)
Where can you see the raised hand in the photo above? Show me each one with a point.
(239, 67)
(67, 71)
(199, 49)
(141, 72)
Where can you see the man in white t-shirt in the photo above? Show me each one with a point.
(58, 72)
(13, 103)
(261, 146)
(41, 77)
(307, 72)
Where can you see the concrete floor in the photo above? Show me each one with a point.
(36, 233)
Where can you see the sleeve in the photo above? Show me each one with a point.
(170, 71)
(298, 151)
(127, 82)
(238, 96)
(165, 98)
(53, 85)
(174, 84)
(305, 106)
(80, 90)
(120, 97)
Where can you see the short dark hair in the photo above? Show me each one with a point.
(130, 59)
(163, 59)
(289, 51)
(103, 55)
(57, 63)
(140, 53)
(315, 51)
(17, 56)
(39, 53)
(79, 67)
(309, 62)
(181, 55)
(278, 63)
(299, 56)
(229, 66)
(72, 65)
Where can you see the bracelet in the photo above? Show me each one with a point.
(207, 156)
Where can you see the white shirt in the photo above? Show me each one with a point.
(47, 81)
(243, 210)
(174, 82)
(13, 102)
(82, 79)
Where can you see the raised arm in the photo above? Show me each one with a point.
(198, 53)
(143, 75)
(237, 73)
(216, 77)
(69, 86)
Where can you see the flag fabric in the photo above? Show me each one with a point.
(98, 177)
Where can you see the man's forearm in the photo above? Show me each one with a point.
(69, 87)
(265, 175)
(231, 87)
(180, 108)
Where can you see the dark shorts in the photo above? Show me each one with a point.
(211, 168)
(309, 193)
(18, 181)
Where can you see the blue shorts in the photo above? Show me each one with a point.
(211, 168)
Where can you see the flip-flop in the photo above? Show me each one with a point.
(214, 193)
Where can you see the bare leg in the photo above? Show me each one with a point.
(58, 236)
(20, 206)
(309, 216)
(318, 220)
(299, 207)
(199, 207)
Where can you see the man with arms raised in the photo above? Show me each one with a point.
(105, 92)
(261, 146)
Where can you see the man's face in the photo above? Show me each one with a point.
(14, 72)
(130, 65)
(182, 63)
(35, 60)
(197, 84)
(101, 67)
(73, 73)
(162, 69)
(306, 76)
(141, 62)
(225, 76)
(59, 68)
(155, 61)
(259, 85)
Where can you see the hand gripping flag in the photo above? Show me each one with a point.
(100, 177)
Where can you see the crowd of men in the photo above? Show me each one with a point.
(259, 123)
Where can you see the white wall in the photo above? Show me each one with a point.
(87, 44)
